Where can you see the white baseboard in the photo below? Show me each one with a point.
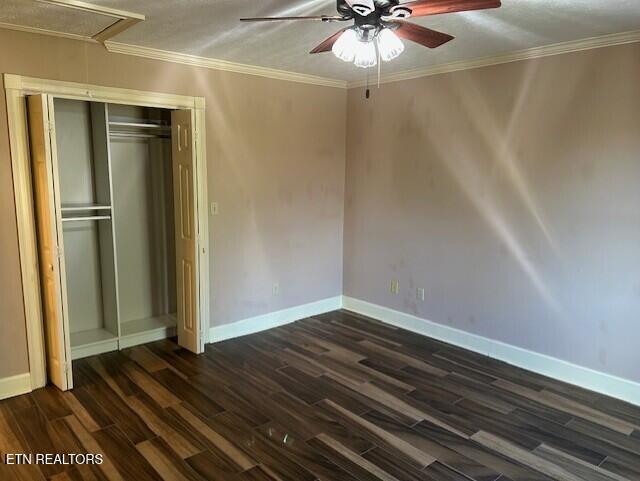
(15, 385)
(273, 319)
(540, 363)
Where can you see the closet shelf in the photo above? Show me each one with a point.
(138, 125)
(92, 342)
(84, 207)
(91, 336)
(137, 135)
(139, 130)
(141, 331)
(137, 326)
(86, 217)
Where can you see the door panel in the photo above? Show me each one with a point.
(183, 155)
(49, 228)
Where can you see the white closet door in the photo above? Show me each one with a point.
(183, 157)
(49, 226)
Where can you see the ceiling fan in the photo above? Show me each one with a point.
(381, 24)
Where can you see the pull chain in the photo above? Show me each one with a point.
(379, 63)
(367, 93)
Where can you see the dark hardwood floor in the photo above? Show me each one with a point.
(335, 398)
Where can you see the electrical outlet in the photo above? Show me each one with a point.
(214, 208)
(420, 293)
(395, 286)
(276, 289)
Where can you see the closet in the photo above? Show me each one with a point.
(115, 218)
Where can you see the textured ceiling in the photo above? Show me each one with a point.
(210, 28)
(29, 13)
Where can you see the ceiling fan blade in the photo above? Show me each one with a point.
(324, 18)
(423, 36)
(326, 45)
(421, 8)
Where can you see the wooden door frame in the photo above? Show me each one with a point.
(16, 88)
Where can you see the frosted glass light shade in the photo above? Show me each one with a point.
(346, 46)
(389, 44)
(366, 55)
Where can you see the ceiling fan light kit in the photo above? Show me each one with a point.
(346, 45)
(389, 44)
(361, 49)
(366, 55)
(378, 26)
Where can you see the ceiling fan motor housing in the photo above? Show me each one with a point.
(368, 21)
(366, 7)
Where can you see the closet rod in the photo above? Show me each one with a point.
(138, 136)
(93, 217)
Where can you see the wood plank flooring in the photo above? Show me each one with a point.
(337, 397)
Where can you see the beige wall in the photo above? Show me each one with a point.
(276, 168)
(512, 195)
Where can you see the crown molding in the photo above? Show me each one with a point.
(224, 65)
(186, 59)
(527, 54)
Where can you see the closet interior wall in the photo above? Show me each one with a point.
(143, 217)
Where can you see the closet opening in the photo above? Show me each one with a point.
(115, 197)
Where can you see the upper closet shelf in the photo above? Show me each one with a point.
(86, 218)
(84, 207)
(143, 130)
(137, 125)
(139, 128)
